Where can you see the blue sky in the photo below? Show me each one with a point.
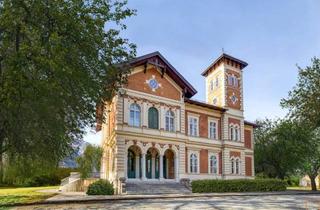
(272, 36)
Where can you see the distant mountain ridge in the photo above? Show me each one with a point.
(70, 162)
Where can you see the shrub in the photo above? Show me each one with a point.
(100, 187)
(42, 180)
(293, 181)
(238, 185)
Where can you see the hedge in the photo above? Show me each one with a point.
(100, 187)
(238, 185)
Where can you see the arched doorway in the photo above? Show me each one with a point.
(168, 164)
(134, 162)
(152, 164)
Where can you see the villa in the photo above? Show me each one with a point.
(154, 130)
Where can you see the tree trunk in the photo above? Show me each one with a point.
(313, 182)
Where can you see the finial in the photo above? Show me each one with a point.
(222, 50)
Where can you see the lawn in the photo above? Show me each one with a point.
(298, 188)
(12, 196)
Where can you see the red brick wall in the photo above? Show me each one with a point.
(138, 82)
(203, 161)
(203, 124)
(235, 90)
(235, 154)
(247, 139)
(234, 121)
(248, 163)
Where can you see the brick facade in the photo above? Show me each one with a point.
(138, 82)
(248, 165)
(247, 139)
(203, 161)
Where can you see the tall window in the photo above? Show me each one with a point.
(212, 130)
(217, 82)
(153, 118)
(232, 166)
(236, 133)
(169, 121)
(213, 164)
(193, 163)
(232, 80)
(193, 126)
(237, 166)
(135, 115)
(211, 85)
(231, 132)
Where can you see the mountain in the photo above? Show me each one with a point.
(70, 162)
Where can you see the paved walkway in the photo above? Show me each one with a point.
(311, 201)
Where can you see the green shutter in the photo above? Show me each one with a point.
(153, 118)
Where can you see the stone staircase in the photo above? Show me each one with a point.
(151, 188)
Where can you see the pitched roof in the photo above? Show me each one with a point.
(203, 104)
(151, 58)
(222, 56)
(254, 125)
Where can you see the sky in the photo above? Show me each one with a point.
(272, 36)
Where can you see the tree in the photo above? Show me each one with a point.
(303, 103)
(90, 161)
(278, 147)
(58, 61)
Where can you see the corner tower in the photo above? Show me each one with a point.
(224, 87)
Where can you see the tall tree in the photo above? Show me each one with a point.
(278, 147)
(303, 103)
(58, 60)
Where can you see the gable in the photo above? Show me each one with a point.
(140, 82)
(156, 60)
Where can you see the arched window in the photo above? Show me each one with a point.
(135, 115)
(213, 164)
(169, 121)
(153, 118)
(231, 132)
(193, 163)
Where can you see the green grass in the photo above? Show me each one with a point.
(20, 195)
(298, 188)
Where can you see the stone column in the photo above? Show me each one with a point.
(176, 168)
(161, 167)
(137, 166)
(153, 168)
(143, 166)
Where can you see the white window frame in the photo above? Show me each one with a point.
(209, 163)
(193, 117)
(233, 162)
(133, 123)
(196, 153)
(173, 121)
(209, 129)
(231, 132)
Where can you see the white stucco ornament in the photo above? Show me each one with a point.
(153, 83)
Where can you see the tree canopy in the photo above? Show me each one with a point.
(58, 60)
(90, 161)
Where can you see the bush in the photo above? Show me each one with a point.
(100, 187)
(42, 180)
(293, 181)
(238, 185)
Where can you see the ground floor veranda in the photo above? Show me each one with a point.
(151, 162)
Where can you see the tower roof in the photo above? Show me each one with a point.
(223, 57)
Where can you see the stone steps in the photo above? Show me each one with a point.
(140, 188)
